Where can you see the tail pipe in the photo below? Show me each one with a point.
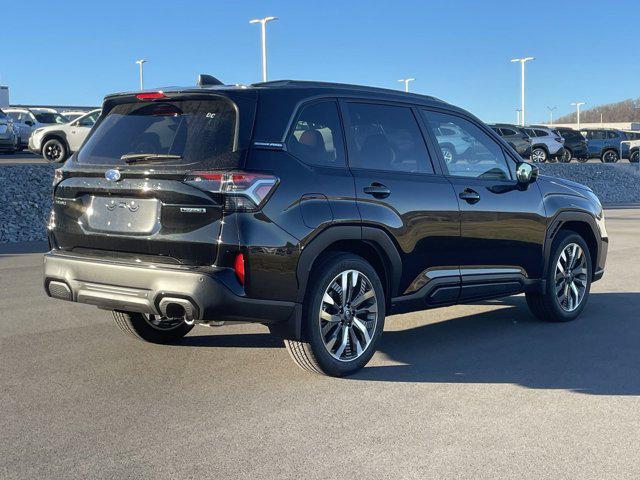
(174, 307)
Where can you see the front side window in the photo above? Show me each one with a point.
(317, 136)
(472, 153)
(530, 132)
(508, 132)
(612, 134)
(541, 133)
(386, 137)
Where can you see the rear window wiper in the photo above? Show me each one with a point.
(148, 157)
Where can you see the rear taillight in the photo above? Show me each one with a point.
(238, 267)
(150, 96)
(243, 191)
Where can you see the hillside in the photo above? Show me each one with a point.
(625, 111)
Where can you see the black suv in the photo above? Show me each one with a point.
(515, 136)
(316, 209)
(575, 145)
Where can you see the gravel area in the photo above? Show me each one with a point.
(25, 192)
(25, 202)
(612, 183)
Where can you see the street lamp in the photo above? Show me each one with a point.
(140, 62)
(518, 110)
(522, 62)
(263, 25)
(406, 83)
(551, 109)
(577, 104)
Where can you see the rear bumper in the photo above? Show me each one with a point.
(141, 288)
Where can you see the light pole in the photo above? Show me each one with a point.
(263, 25)
(140, 62)
(522, 62)
(518, 116)
(406, 83)
(577, 104)
(551, 109)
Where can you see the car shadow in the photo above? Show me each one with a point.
(239, 340)
(596, 354)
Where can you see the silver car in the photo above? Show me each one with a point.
(56, 142)
(8, 136)
(546, 144)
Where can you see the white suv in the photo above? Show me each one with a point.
(56, 142)
(546, 143)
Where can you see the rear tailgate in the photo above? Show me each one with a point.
(148, 217)
(143, 210)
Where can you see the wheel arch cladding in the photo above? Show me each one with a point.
(581, 223)
(57, 135)
(372, 244)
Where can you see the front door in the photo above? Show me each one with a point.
(399, 191)
(503, 225)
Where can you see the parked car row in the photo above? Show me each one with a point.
(45, 131)
(544, 144)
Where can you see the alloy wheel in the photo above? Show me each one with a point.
(447, 154)
(348, 315)
(538, 155)
(52, 152)
(610, 156)
(571, 277)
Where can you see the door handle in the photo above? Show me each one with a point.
(469, 195)
(378, 190)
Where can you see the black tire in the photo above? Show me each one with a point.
(138, 326)
(609, 156)
(566, 156)
(311, 354)
(539, 154)
(634, 157)
(54, 151)
(546, 305)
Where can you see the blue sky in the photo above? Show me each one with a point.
(459, 50)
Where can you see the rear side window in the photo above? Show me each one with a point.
(317, 136)
(194, 131)
(530, 132)
(386, 137)
(541, 133)
(611, 134)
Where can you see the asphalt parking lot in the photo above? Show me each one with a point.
(20, 158)
(474, 391)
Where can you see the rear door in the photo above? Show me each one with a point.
(79, 129)
(399, 191)
(131, 191)
(502, 225)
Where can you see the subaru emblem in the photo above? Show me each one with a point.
(112, 175)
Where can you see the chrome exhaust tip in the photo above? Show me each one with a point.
(173, 307)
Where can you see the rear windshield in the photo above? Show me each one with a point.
(50, 117)
(196, 131)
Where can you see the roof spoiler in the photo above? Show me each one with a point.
(204, 80)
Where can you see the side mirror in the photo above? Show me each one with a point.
(526, 173)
